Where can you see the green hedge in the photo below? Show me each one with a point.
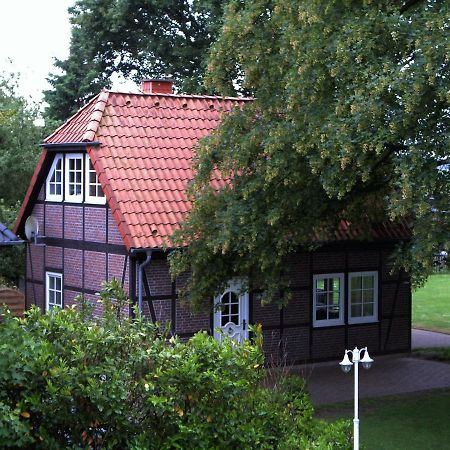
(68, 380)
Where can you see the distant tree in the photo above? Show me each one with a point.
(136, 39)
(19, 139)
(350, 120)
(19, 151)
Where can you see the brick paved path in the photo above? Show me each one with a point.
(389, 375)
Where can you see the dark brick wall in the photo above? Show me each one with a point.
(83, 269)
(73, 222)
(159, 278)
(53, 220)
(287, 333)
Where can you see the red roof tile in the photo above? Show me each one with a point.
(144, 158)
(145, 155)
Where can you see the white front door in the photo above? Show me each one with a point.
(231, 314)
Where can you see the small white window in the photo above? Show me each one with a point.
(54, 188)
(74, 178)
(94, 192)
(54, 290)
(328, 299)
(363, 297)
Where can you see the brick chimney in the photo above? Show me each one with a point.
(154, 86)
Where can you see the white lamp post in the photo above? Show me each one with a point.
(346, 366)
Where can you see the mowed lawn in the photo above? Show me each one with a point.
(431, 304)
(417, 421)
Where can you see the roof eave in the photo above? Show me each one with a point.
(60, 145)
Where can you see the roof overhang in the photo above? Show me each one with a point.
(55, 146)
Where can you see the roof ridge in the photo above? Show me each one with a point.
(72, 117)
(211, 97)
(96, 116)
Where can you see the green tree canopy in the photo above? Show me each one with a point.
(136, 39)
(350, 121)
(19, 139)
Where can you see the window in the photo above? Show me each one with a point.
(54, 289)
(94, 191)
(363, 297)
(74, 178)
(328, 296)
(55, 180)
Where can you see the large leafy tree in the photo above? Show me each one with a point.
(135, 39)
(19, 139)
(350, 121)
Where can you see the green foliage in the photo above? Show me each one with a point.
(68, 380)
(350, 121)
(19, 137)
(12, 258)
(136, 39)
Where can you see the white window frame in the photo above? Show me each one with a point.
(76, 198)
(363, 319)
(54, 197)
(329, 322)
(91, 198)
(55, 275)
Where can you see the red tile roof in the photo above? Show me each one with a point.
(144, 159)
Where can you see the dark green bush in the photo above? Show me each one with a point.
(68, 380)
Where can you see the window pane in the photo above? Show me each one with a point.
(335, 298)
(356, 297)
(58, 283)
(51, 282)
(333, 313)
(320, 285)
(100, 192)
(234, 319)
(367, 296)
(368, 309)
(356, 283)
(321, 313)
(58, 177)
(235, 308)
(58, 189)
(368, 282)
(233, 297)
(356, 310)
(321, 299)
(226, 309)
(51, 296)
(58, 299)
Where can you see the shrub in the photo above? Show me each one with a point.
(69, 380)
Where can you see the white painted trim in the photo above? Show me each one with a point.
(88, 198)
(329, 322)
(47, 286)
(73, 198)
(49, 197)
(233, 286)
(364, 319)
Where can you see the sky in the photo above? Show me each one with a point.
(32, 34)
